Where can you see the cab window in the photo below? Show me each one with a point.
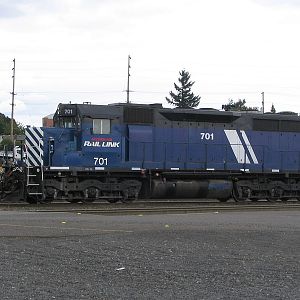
(101, 126)
(67, 122)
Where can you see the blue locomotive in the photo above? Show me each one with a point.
(130, 151)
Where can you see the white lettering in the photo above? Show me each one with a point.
(206, 136)
(101, 161)
(102, 144)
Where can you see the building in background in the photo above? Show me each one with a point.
(48, 121)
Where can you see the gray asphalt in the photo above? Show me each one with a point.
(231, 255)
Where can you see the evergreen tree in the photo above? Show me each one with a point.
(273, 110)
(183, 97)
(239, 105)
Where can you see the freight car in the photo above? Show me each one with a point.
(130, 151)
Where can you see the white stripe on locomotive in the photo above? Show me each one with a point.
(249, 146)
(31, 160)
(37, 133)
(237, 146)
(34, 144)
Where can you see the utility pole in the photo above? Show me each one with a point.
(13, 102)
(263, 102)
(128, 75)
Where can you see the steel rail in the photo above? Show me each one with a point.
(152, 209)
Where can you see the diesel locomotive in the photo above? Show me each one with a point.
(136, 151)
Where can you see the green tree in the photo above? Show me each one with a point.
(5, 126)
(184, 97)
(5, 130)
(239, 105)
(273, 110)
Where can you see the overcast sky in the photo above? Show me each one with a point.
(76, 50)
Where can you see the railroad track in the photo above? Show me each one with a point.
(153, 207)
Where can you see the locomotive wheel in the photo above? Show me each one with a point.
(73, 200)
(31, 200)
(112, 200)
(75, 197)
(271, 199)
(127, 200)
(47, 200)
(284, 199)
(224, 199)
(87, 200)
(3, 195)
(237, 194)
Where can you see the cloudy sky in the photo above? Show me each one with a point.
(76, 50)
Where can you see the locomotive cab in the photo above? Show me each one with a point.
(87, 137)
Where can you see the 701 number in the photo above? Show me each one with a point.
(207, 136)
(100, 161)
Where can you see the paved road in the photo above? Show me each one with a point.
(232, 255)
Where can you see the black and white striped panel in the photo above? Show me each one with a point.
(34, 146)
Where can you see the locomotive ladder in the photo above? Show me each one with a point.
(35, 174)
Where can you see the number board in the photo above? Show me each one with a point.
(67, 110)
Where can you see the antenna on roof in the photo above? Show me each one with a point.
(263, 102)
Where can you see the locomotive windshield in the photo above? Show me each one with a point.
(67, 122)
(101, 126)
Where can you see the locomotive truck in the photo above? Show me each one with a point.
(136, 151)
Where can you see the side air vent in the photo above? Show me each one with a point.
(292, 126)
(265, 125)
(276, 125)
(138, 115)
(210, 117)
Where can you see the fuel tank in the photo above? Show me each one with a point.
(211, 188)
